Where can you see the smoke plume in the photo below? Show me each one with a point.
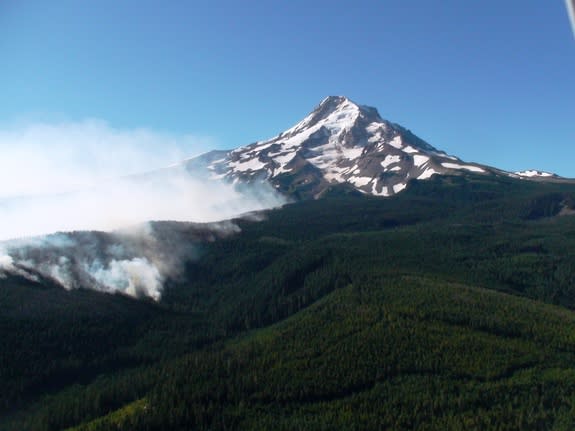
(71, 194)
(133, 261)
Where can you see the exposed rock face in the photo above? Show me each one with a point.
(339, 142)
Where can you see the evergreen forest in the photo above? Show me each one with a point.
(450, 306)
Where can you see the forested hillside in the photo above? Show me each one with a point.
(447, 307)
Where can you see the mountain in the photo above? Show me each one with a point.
(532, 173)
(449, 306)
(340, 142)
(429, 310)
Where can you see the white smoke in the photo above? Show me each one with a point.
(6, 264)
(47, 158)
(64, 177)
(170, 195)
(134, 262)
(80, 177)
(135, 277)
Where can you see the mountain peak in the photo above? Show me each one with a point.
(334, 101)
(340, 142)
(334, 114)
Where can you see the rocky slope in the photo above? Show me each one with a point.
(340, 142)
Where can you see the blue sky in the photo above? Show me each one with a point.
(490, 81)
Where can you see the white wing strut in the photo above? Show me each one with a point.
(571, 12)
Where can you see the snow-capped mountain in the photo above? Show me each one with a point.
(532, 173)
(339, 142)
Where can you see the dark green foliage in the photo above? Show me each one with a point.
(399, 353)
(52, 338)
(432, 310)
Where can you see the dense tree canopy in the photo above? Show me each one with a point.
(447, 307)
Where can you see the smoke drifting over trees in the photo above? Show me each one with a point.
(95, 189)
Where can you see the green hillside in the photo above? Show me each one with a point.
(446, 307)
(394, 353)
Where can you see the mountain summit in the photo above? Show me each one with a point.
(339, 142)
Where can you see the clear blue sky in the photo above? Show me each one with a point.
(491, 81)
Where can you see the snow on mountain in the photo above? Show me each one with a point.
(339, 142)
(535, 174)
